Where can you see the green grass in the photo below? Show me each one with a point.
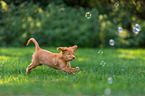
(126, 67)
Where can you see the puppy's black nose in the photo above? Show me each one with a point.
(73, 57)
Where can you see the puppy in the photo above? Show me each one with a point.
(59, 61)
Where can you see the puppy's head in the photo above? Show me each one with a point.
(68, 52)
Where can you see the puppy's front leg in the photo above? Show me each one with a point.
(70, 70)
(68, 65)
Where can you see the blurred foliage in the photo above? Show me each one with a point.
(63, 22)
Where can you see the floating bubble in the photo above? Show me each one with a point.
(135, 30)
(100, 52)
(103, 63)
(107, 91)
(120, 29)
(111, 42)
(137, 26)
(116, 4)
(110, 80)
(88, 15)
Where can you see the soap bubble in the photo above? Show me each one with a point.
(116, 4)
(111, 42)
(88, 15)
(120, 29)
(103, 63)
(110, 80)
(100, 52)
(136, 28)
(107, 91)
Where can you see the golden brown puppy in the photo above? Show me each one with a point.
(59, 61)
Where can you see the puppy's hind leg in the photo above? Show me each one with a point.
(30, 67)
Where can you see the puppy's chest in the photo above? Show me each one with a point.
(68, 63)
(61, 64)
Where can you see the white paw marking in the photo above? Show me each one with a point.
(77, 68)
(27, 70)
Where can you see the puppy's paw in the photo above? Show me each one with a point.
(77, 68)
(27, 71)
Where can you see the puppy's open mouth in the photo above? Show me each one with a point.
(71, 59)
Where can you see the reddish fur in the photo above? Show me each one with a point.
(59, 61)
(36, 44)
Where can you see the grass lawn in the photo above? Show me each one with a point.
(118, 72)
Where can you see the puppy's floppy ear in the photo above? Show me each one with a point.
(75, 47)
(62, 48)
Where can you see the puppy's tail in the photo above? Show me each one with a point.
(36, 43)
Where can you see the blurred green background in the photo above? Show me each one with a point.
(63, 22)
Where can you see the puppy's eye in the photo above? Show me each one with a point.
(68, 54)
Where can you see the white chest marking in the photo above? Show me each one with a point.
(68, 64)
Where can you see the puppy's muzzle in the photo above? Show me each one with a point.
(74, 57)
